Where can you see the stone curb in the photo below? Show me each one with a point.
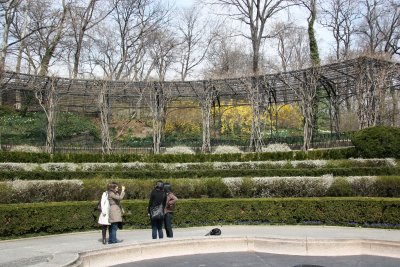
(189, 246)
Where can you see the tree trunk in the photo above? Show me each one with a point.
(395, 107)
(206, 105)
(157, 103)
(48, 55)
(104, 108)
(308, 114)
(3, 55)
(48, 99)
(77, 56)
(255, 97)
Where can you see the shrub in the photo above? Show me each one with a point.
(340, 187)
(378, 142)
(42, 191)
(26, 148)
(227, 150)
(387, 186)
(343, 153)
(232, 187)
(18, 220)
(7, 110)
(276, 148)
(179, 150)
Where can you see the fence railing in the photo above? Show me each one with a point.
(294, 142)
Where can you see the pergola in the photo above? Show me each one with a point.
(366, 79)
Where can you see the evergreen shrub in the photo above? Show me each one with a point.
(378, 142)
(19, 220)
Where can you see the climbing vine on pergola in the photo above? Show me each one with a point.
(368, 81)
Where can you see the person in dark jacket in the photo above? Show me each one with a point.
(169, 209)
(157, 199)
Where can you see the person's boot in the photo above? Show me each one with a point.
(104, 234)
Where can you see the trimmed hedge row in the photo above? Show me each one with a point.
(137, 166)
(343, 153)
(19, 220)
(167, 174)
(246, 187)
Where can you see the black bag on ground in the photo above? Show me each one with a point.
(215, 231)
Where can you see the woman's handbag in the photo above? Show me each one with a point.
(157, 212)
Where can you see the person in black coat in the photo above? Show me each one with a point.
(157, 203)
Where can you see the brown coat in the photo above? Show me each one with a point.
(115, 214)
(170, 203)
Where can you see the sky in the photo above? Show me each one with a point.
(184, 3)
(324, 37)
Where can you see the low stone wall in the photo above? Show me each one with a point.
(301, 247)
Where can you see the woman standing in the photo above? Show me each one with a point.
(115, 216)
(156, 206)
(103, 218)
(169, 209)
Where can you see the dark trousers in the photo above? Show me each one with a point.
(168, 224)
(156, 227)
(104, 232)
(113, 233)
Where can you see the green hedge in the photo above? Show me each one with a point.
(344, 153)
(206, 166)
(246, 187)
(18, 220)
(165, 174)
(377, 142)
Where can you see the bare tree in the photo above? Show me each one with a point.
(159, 95)
(283, 33)
(207, 98)
(293, 47)
(340, 17)
(255, 95)
(124, 43)
(372, 81)
(389, 28)
(227, 58)
(379, 29)
(304, 86)
(162, 52)
(105, 114)
(48, 97)
(8, 10)
(84, 16)
(53, 38)
(195, 40)
(255, 14)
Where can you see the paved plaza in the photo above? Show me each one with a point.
(66, 249)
